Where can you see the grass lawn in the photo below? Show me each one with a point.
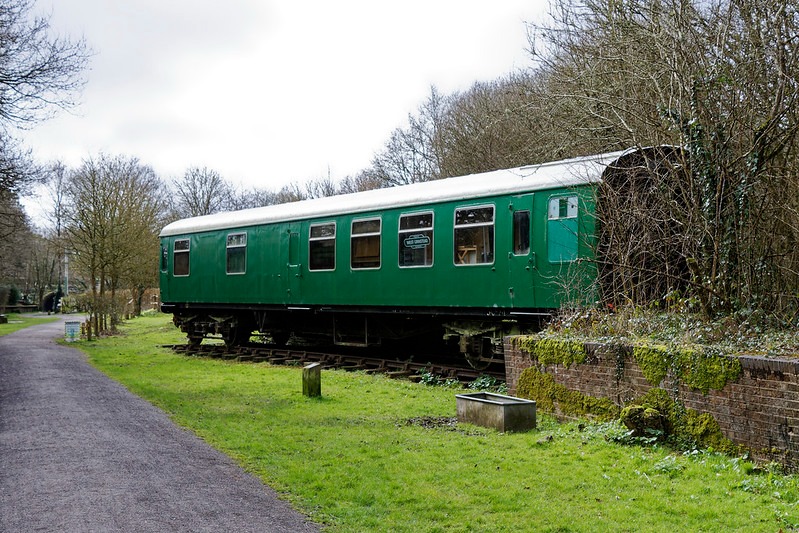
(18, 321)
(374, 454)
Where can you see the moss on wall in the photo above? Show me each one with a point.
(654, 362)
(555, 398)
(686, 425)
(551, 351)
(697, 368)
(705, 370)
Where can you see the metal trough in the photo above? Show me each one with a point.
(503, 413)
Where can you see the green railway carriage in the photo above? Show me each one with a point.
(470, 259)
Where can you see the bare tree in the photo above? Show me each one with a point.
(250, 198)
(14, 234)
(719, 79)
(497, 124)
(293, 192)
(43, 259)
(413, 153)
(202, 191)
(37, 71)
(39, 74)
(12, 217)
(320, 188)
(56, 180)
(363, 181)
(114, 213)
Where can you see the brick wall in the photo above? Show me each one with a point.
(760, 410)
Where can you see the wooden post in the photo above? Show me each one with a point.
(312, 380)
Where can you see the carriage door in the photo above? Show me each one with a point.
(562, 228)
(293, 266)
(521, 258)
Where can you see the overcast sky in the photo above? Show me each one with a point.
(270, 92)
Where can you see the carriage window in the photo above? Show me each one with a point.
(236, 253)
(474, 235)
(164, 258)
(365, 243)
(416, 240)
(521, 232)
(180, 259)
(562, 207)
(322, 247)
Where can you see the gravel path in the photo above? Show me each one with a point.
(78, 452)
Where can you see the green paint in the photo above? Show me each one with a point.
(278, 258)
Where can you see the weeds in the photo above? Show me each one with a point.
(434, 380)
(482, 383)
(488, 384)
(743, 333)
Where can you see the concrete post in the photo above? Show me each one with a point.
(312, 380)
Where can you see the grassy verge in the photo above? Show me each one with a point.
(379, 455)
(19, 321)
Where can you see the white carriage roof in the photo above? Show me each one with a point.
(566, 173)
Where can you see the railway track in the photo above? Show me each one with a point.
(299, 357)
